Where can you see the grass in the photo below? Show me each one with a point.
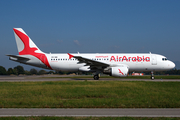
(84, 118)
(90, 94)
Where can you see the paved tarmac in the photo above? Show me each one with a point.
(83, 112)
(37, 78)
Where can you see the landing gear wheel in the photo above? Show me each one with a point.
(152, 75)
(96, 77)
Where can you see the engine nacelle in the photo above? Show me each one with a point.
(117, 71)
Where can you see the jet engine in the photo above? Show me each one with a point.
(117, 71)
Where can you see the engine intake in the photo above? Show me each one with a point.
(117, 71)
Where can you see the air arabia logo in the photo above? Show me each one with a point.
(128, 59)
(121, 72)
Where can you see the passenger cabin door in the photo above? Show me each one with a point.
(154, 60)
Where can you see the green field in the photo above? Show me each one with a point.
(90, 94)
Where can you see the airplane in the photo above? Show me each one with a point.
(113, 64)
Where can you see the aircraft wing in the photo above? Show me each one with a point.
(18, 57)
(92, 63)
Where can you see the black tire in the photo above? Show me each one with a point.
(96, 77)
(152, 77)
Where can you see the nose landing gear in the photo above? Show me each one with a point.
(152, 75)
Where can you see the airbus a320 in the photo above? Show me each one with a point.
(113, 64)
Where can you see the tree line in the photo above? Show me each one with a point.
(170, 72)
(20, 70)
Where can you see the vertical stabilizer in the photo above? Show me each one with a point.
(24, 43)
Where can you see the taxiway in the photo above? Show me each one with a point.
(37, 78)
(83, 112)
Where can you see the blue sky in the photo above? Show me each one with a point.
(92, 26)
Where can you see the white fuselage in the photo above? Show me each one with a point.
(135, 62)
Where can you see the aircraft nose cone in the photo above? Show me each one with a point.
(172, 65)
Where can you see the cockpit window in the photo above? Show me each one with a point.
(164, 59)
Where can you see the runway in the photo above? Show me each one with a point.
(83, 112)
(37, 78)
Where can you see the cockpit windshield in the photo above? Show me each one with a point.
(164, 59)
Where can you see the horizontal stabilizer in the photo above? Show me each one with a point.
(18, 57)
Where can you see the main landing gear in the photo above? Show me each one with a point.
(152, 75)
(96, 76)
